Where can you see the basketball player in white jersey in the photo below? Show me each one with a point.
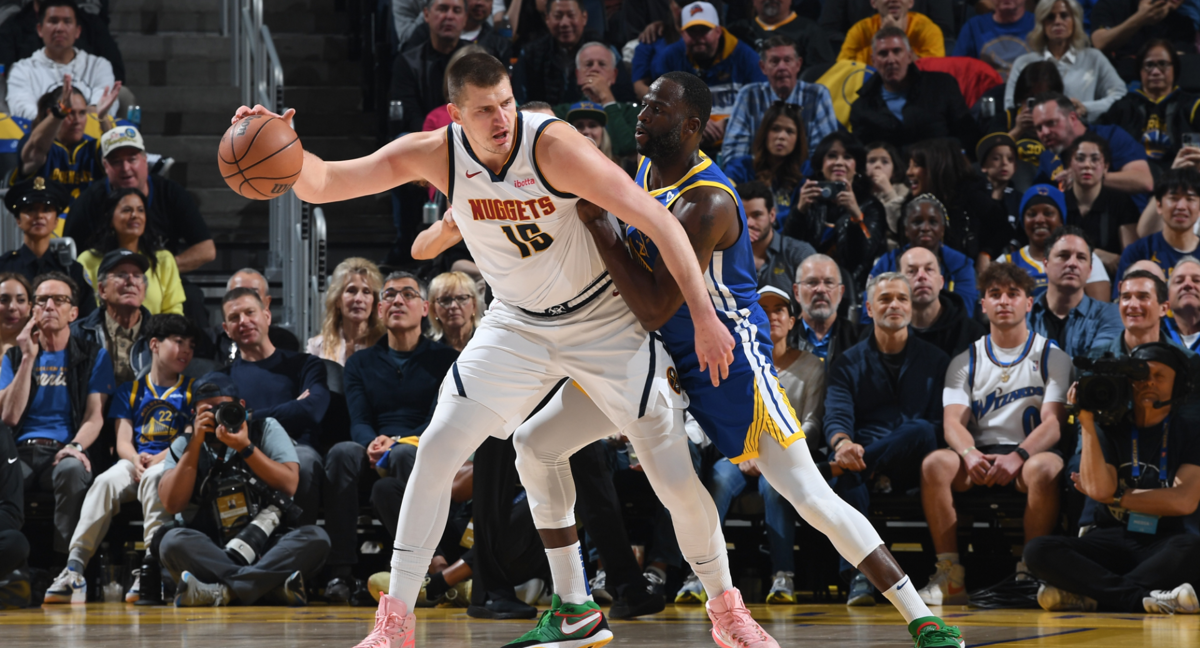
(1005, 400)
(514, 180)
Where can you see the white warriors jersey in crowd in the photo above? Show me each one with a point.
(524, 235)
(1005, 388)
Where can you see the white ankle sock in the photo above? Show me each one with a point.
(952, 556)
(570, 579)
(906, 599)
(714, 575)
(409, 567)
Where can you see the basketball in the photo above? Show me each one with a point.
(260, 157)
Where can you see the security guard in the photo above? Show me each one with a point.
(36, 204)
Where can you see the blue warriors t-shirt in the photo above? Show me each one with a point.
(158, 413)
(49, 415)
(1154, 248)
(995, 44)
(1124, 147)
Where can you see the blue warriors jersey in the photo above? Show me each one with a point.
(1023, 260)
(158, 413)
(1156, 249)
(750, 402)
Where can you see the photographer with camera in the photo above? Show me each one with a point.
(236, 478)
(1141, 465)
(836, 211)
(1004, 406)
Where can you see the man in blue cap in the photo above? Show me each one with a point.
(213, 559)
(1043, 211)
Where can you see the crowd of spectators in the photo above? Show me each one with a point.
(936, 238)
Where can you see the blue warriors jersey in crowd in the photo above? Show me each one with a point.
(158, 413)
(750, 402)
(1154, 248)
(1022, 259)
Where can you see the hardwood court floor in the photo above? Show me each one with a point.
(119, 626)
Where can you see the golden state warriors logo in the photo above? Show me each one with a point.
(158, 421)
(638, 247)
(673, 380)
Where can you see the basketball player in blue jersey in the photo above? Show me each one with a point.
(747, 416)
(514, 180)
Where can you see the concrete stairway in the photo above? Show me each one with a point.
(178, 65)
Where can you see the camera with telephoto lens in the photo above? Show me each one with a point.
(248, 511)
(830, 190)
(1106, 385)
(230, 414)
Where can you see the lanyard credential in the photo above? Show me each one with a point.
(1136, 468)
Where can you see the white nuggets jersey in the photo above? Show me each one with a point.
(1005, 388)
(524, 235)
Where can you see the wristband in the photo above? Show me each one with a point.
(1022, 453)
(59, 111)
(245, 453)
(967, 451)
(76, 445)
(840, 442)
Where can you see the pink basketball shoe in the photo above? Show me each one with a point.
(733, 627)
(394, 626)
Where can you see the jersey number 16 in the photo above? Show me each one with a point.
(528, 238)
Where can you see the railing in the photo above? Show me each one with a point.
(296, 257)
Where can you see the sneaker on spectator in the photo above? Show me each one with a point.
(148, 584)
(733, 627)
(459, 595)
(1181, 600)
(600, 593)
(782, 589)
(692, 592)
(656, 577)
(69, 587)
(194, 593)
(862, 594)
(291, 593)
(947, 586)
(338, 590)
(134, 593)
(15, 591)
(1053, 599)
(637, 600)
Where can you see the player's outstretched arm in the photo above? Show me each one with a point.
(437, 238)
(571, 164)
(410, 158)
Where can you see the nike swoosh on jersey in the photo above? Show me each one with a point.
(572, 628)
(472, 175)
(13, 460)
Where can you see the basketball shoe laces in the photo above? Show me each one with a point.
(933, 635)
(743, 627)
(387, 625)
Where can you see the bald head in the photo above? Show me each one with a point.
(819, 288)
(924, 274)
(1149, 266)
(253, 279)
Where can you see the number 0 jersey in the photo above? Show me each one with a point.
(524, 234)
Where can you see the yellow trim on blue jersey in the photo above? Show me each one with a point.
(1025, 255)
(771, 28)
(702, 183)
(764, 422)
(705, 162)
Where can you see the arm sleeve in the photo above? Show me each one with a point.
(1058, 372)
(738, 133)
(643, 56)
(1099, 274)
(1109, 87)
(839, 399)
(362, 415)
(954, 390)
(22, 95)
(172, 287)
(1108, 326)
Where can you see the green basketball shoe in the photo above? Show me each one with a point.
(932, 632)
(567, 626)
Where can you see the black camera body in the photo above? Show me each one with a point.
(247, 511)
(230, 414)
(1106, 385)
(830, 190)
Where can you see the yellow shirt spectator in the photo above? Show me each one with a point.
(923, 34)
(164, 290)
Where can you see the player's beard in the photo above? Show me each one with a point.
(666, 145)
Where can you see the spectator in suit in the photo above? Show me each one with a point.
(418, 70)
(779, 153)
(351, 321)
(775, 18)
(57, 148)
(1108, 216)
(780, 61)
(1090, 80)
(1065, 314)
(997, 38)
(1182, 327)
(882, 407)
(30, 78)
(925, 36)
(1004, 405)
(53, 388)
(16, 301)
(776, 256)
(129, 230)
(715, 55)
(171, 212)
(36, 205)
(226, 350)
(1158, 114)
(903, 105)
(1121, 27)
(940, 317)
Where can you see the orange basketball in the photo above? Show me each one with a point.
(260, 157)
